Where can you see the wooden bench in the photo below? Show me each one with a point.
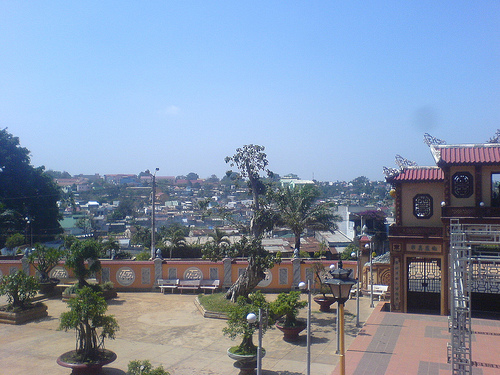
(209, 285)
(164, 284)
(378, 290)
(189, 284)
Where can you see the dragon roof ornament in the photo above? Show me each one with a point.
(429, 140)
(391, 172)
(403, 163)
(495, 138)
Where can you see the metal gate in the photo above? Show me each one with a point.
(424, 284)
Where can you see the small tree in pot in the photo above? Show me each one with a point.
(322, 300)
(286, 308)
(44, 259)
(87, 317)
(237, 325)
(20, 290)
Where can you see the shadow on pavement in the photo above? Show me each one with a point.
(112, 371)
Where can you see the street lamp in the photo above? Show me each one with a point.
(356, 254)
(332, 268)
(302, 286)
(252, 318)
(153, 215)
(341, 285)
(371, 274)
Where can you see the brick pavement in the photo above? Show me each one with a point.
(395, 343)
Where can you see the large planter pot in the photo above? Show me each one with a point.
(86, 368)
(48, 287)
(291, 334)
(324, 302)
(245, 363)
(36, 311)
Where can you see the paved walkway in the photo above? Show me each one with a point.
(395, 343)
(168, 329)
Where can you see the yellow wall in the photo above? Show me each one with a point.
(409, 190)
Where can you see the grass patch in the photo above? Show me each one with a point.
(216, 302)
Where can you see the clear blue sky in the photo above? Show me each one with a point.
(332, 89)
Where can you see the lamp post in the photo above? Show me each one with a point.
(332, 268)
(29, 231)
(356, 253)
(302, 286)
(252, 318)
(341, 285)
(153, 215)
(371, 274)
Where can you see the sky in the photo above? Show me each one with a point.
(333, 90)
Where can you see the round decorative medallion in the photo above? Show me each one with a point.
(125, 276)
(59, 272)
(267, 280)
(193, 273)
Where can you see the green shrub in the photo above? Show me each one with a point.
(143, 255)
(19, 289)
(144, 368)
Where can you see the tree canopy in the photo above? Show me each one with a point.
(26, 193)
(298, 208)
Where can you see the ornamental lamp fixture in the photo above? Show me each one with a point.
(341, 284)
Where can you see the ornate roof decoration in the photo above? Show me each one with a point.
(495, 138)
(429, 140)
(391, 172)
(403, 163)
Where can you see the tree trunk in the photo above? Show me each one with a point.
(247, 281)
(297, 241)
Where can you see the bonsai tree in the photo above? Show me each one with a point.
(19, 289)
(81, 252)
(87, 317)
(319, 271)
(145, 368)
(237, 324)
(287, 305)
(44, 259)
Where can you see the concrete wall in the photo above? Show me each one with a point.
(142, 275)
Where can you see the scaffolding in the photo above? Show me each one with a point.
(467, 272)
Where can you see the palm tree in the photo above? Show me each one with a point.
(219, 238)
(176, 239)
(298, 208)
(110, 244)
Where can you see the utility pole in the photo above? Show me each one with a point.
(153, 229)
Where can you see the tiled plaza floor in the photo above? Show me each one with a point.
(395, 343)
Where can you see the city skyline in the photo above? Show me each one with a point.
(333, 91)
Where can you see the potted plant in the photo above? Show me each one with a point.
(145, 368)
(322, 300)
(83, 260)
(87, 317)
(245, 354)
(285, 309)
(44, 259)
(20, 290)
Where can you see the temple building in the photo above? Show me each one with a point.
(462, 187)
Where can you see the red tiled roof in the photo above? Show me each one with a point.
(468, 154)
(420, 174)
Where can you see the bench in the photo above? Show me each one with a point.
(164, 284)
(378, 290)
(189, 284)
(209, 285)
